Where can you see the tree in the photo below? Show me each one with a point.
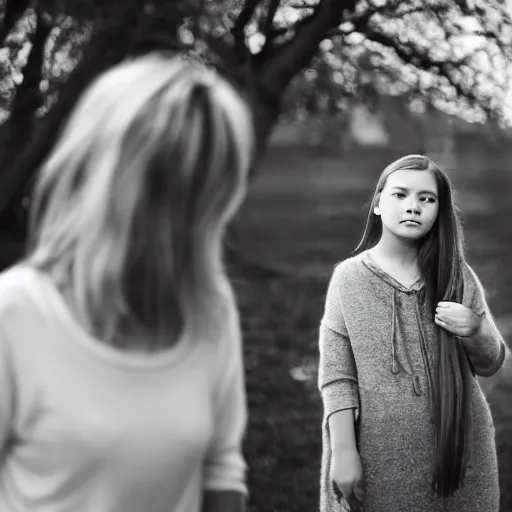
(453, 53)
(94, 37)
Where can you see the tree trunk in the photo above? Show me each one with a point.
(19, 126)
(266, 110)
(273, 72)
(109, 44)
(269, 79)
(112, 40)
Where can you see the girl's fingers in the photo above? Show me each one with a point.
(441, 318)
(338, 492)
(441, 322)
(444, 325)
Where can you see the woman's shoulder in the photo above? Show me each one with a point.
(470, 277)
(474, 295)
(16, 283)
(16, 277)
(473, 286)
(348, 269)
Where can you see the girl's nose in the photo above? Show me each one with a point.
(414, 209)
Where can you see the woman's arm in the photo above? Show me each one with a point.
(337, 374)
(224, 468)
(342, 430)
(337, 381)
(486, 347)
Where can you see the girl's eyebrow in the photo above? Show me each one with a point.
(405, 189)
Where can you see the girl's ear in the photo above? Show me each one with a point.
(376, 209)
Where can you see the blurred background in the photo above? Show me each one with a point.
(339, 89)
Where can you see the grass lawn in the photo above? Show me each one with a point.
(304, 213)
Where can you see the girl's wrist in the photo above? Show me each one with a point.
(342, 448)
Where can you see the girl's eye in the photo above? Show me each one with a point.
(428, 199)
(399, 195)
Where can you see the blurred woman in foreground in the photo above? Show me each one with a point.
(120, 350)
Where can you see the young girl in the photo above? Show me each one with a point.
(120, 353)
(405, 330)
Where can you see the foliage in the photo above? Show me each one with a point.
(295, 57)
(453, 53)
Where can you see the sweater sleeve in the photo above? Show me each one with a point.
(225, 466)
(337, 374)
(474, 299)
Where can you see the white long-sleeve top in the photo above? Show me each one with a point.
(91, 428)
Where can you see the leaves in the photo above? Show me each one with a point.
(296, 57)
(431, 50)
(451, 53)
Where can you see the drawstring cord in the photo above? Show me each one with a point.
(394, 358)
(395, 363)
(394, 368)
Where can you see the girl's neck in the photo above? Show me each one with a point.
(400, 261)
(396, 251)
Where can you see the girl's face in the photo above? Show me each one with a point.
(408, 204)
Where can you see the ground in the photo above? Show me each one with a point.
(304, 213)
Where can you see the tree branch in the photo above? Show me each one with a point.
(225, 53)
(196, 20)
(424, 61)
(271, 14)
(14, 9)
(20, 124)
(291, 57)
(359, 21)
(269, 23)
(412, 10)
(238, 30)
(303, 5)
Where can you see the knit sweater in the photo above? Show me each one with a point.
(377, 354)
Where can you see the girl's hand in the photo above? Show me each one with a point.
(347, 477)
(457, 319)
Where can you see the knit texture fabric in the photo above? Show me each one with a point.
(377, 353)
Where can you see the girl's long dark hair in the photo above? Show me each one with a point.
(441, 261)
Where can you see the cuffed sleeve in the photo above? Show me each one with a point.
(337, 373)
(488, 338)
(225, 466)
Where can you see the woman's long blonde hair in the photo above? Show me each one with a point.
(130, 208)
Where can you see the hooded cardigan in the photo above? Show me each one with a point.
(377, 355)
